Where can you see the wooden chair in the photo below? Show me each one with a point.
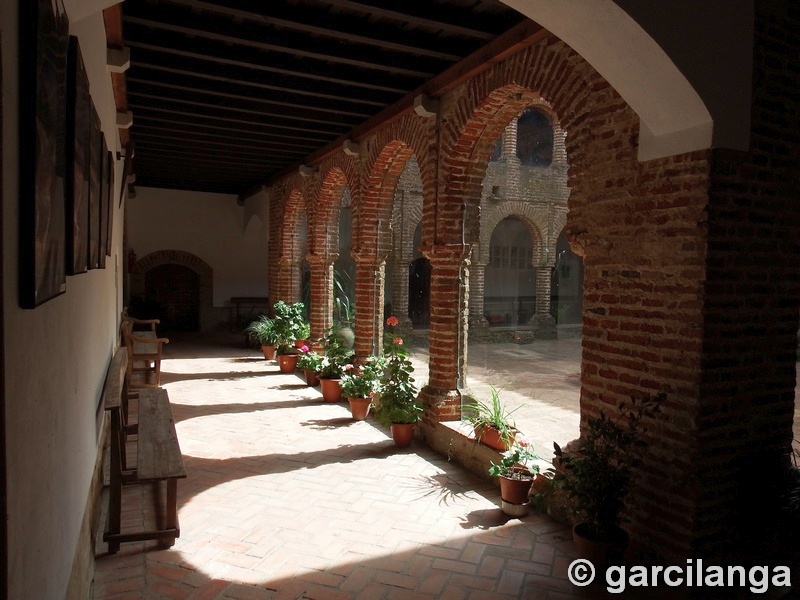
(145, 350)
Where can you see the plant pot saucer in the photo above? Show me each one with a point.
(514, 510)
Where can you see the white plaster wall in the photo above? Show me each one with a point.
(55, 361)
(210, 226)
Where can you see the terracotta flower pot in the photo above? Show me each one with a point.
(269, 352)
(489, 436)
(299, 343)
(516, 491)
(602, 553)
(331, 390)
(402, 434)
(311, 377)
(287, 363)
(359, 407)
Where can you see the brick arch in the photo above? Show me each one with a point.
(186, 259)
(534, 219)
(415, 133)
(324, 227)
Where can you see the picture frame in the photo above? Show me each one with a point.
(44, 40)
(109, 221)
(104, 204)
(79, 112)
(96, 157)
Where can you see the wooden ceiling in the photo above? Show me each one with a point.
(228, 94)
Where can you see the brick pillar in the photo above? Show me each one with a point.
(400, 291)
(448, 333)
(289, 280)
(370, 277)
(544, 325)
(321, 309)
(477, 290)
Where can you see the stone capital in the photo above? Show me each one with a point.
(321, 260)
(444, 254)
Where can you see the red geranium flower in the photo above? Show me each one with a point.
(392, 321)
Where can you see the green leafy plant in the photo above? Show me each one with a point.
(597, 475)
(343, 309)
(289, 325)
(365, 380)
(518, 461)
(309, 359)
(491, 414)
(398, 395)
(262, 331)
(336, 355)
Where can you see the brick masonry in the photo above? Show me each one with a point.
(690, 266)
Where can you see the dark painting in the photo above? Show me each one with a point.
(43, 100)
(79, 114)
(104, 203)
(109, 218)
(96, 157)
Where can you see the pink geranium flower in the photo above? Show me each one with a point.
(303, 348)
(398, 341)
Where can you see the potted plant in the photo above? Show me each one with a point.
(597, 476)
(289, 326)
(262, 331)
(397, 406)
(336, 359)
(310, 363)
(359, 385)
(516, 472)
(492, 422)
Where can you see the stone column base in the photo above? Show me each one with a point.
(544, 327)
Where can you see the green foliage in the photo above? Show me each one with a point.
(398, 395)
(262, 331)
(289, 325)
(492, 414)
(310, 360)
(598, 475)
(517, 461)
(364, 381)
(343, 305)
(336, 355)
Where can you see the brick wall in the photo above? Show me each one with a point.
(690, 267)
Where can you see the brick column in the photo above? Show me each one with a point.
(289, 280)
(448, 333)
(400, 291)
(321, 309)
(370, 277)
(477, 290)
(544, 325)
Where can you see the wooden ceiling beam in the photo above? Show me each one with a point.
(245, 142)
(182, 140)
(291, 51)
(515, 39)
(253, 99)
(258, 85)
(266, 68)
(333, 32)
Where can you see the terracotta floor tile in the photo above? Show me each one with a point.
(287, 497)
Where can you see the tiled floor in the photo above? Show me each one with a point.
(287, 497)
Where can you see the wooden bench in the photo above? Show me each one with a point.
(145, 351)
(158, 457)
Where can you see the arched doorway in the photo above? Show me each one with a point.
(510, 288)
(173, 291)
(567, 284)
(419, 285)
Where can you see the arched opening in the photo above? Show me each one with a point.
(567, 284)
(534, 138)
(419, 285)
(344, 268)
(172, 292)
(510, 288)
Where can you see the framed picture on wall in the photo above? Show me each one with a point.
(42, 152)
(104, 204)
(79, 113)
(109, 205)
(96, 157)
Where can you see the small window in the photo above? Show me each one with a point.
(534, 139)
